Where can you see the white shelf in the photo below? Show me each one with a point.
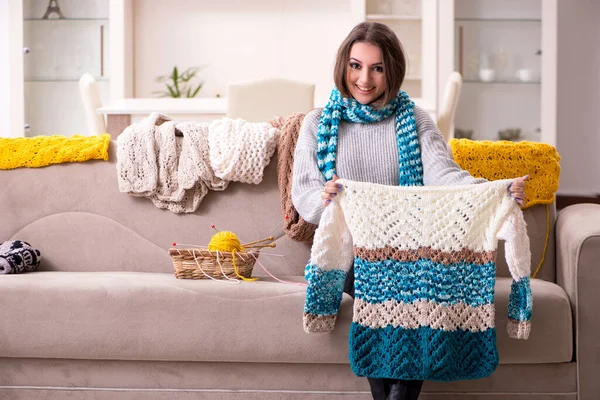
(393, 17)
(65, 20)
(498, 20)
(503, 81)
(60, 79)
(201, 105)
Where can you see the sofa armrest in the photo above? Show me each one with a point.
(578, 273)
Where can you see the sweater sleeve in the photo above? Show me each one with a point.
(439, 167)
(307, 180)
(518, 257)
(330, 260)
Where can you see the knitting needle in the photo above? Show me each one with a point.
(259, 241)
(276, 226)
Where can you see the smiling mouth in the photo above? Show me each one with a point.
(364, 90)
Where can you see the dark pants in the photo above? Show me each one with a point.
(386, 389)
(395, 389)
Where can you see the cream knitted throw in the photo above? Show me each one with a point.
(174, 172)
(424, 265)
(240, 150)
(177, 172)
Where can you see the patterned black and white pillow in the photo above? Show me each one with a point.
(17, 256)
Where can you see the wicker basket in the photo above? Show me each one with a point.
(198, 263)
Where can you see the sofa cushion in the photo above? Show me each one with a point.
(153, 316)
(80, 222)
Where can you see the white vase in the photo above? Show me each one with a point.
(487, 74)
(524, 75)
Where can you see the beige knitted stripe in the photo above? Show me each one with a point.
(518, 329)
(424, 313)
(318, 323)
(443, 257)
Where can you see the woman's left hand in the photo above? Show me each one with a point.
(517, 190)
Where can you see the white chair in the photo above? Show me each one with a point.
(448, 107)
(261, 100)
(90, 97)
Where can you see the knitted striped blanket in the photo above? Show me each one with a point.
(424, 260)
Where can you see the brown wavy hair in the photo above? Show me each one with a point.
(394, 61)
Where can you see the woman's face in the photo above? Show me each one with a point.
(365, 77)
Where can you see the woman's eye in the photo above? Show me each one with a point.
(354, 65)
(378, 69)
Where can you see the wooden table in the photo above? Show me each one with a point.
(122, 113)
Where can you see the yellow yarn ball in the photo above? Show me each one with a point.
(225, 241)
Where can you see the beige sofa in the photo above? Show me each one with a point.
(105, 318)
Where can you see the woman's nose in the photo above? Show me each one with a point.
(365, 76)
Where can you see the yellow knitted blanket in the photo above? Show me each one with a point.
(40, 151)
(506, 160)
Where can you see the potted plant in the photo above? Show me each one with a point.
(180, 84)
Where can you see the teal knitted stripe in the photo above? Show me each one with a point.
(520, 300)
(423, 353)
(325, 289)
(424, 279)
(338, 108)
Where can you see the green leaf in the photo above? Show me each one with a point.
(176, 87)
(186, 78)
(197, 89)
(173, 93)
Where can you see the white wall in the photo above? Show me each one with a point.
(11, 68)
(4, 69)
(239, 41)
(578, 102)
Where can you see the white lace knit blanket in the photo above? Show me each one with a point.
(176, 173)
(240, 150)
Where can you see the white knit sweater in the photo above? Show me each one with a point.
(424, 265)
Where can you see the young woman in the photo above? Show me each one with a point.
(359, 135)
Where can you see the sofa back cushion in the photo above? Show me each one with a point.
(76, 216)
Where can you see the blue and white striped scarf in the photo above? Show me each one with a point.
(338, 107)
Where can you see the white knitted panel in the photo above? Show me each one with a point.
(194, 161)
(448, 218)
(168, 188)
(137, 170)
(516, 250)
(240, 150)
(334, 249)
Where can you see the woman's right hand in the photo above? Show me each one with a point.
(330, 190)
